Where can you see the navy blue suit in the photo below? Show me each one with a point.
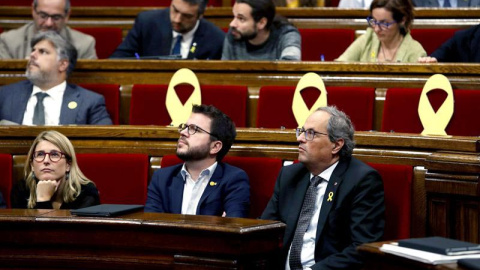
(464, 46)
(90, 106)
(354, 216)
(151, 35)
(229, 193)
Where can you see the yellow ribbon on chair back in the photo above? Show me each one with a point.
(299, 108)
(435, 123)
(181, 112)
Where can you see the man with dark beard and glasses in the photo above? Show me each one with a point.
(46, 98)
(203, 185)
(256, 34)
(179, 30)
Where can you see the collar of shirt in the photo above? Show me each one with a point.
(327, 173)
(53, 104)
(187, 39)
(206, 172)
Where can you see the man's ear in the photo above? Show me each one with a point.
(337, 146)
(262, 24)
(63, 65)
(215, 147)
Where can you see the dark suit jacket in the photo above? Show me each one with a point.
(354, 216)
(434, 3)
(90, 106)
(227, 191)
(151, 35)
(464, 46)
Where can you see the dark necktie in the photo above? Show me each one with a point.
(39, 112)
(176, 48)
(303, 221)
(447, 3)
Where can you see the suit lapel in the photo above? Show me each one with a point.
(330, 197)
(71, 103)
(196, 37)
(22, 99)
(212, 184)
(296, 206)
(176, 192)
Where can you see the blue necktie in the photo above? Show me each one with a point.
(447, 3)
(39, 111)
(176, 48)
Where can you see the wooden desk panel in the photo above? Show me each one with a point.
(55, 239)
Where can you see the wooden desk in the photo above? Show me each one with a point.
(46, 239)
(375, 259)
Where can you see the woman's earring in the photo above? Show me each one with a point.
(67, 175)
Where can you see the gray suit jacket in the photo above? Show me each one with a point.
(90, 108)
(434, 3)
(15, 44)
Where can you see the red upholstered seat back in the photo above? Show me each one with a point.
(431, 39)
(275, 105)
(107, 39)
(397, 181)
(120, 178)
(111, 93)
(147, 106)
(330, 43)
(262, 172)
(400, 113)
(6, 176)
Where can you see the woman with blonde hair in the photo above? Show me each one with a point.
(53, 179)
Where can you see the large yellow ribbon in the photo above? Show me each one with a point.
(435, 123)
(299, 108)
(181, 112)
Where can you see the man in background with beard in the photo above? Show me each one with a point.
(256, 34)
(203, 185)
(179, 30)
(46, 98)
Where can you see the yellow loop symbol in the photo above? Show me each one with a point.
(330, 196)
(434, 123)
(299, 108)
(181, 112)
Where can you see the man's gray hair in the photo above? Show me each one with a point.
(340, 127)
(67, 5)
(202, 4)
(65, 50)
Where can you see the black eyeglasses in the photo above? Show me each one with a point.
(54, 155)
(309, 133)
(192, 129)
(382, 25)
(45, 16)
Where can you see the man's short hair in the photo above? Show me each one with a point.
(65, 50)
(67, 5)
(222, 129)
(260, 9)
(202, 4)
(340, 127)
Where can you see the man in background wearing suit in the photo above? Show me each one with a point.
(46, 98)
(330, 201)
(203, 185)
(48, 15)
(446, 3)
(179, 30)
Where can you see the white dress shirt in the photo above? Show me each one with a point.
(187, 39)
(453, 3)
(52, 103)
(193, 189)
(309, 239)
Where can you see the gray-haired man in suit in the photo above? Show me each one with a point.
(46, 98)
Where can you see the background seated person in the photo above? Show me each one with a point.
(46, 98)
(203, 185)
(447, 3)
(256, 34)
(178, 30)
(48, 15)
(330, 201)
(298, 3)
(53, 178)
(464, 46)
(388, 38)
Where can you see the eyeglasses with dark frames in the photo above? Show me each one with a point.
(309, 133)
(45, 16)
(54, 155)
(382, 25)
(192, 129)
